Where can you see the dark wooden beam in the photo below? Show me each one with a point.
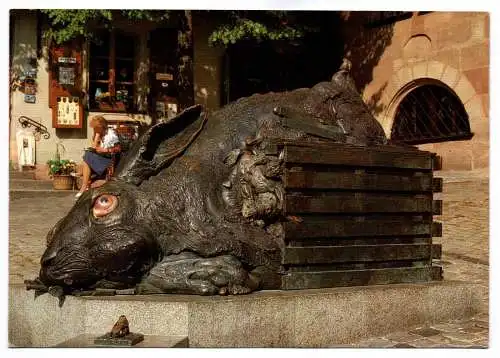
(344, 227)
(358, 181)
(437, 185)
(358, 157)
(304, 280)
(339, 202)
(366, 253)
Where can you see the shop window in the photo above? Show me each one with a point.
(430, 113)
(111, 72)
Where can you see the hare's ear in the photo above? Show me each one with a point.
(160, 145)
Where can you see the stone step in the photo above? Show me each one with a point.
(30, 193)
(30, 184)
(15, 174)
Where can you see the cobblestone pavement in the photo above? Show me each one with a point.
(465, 245)
(465, 254)
(29, 221)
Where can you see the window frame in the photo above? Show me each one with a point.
(111, 81)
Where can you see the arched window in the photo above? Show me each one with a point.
(430, 113)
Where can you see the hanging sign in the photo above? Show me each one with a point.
(66, 60)
(164, 76)
(66, 76)
(29, 98)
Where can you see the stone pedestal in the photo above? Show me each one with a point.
(302, 318)
(88, 341)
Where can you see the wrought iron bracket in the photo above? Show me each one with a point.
(39, 128)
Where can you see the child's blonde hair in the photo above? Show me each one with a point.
(99, 122)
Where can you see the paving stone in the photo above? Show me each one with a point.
(29, 221)
(483, 342)
(460, 336)
(458, 344)
(402, 336)
(426, 332)
(448, 326)
(376, 343)
(472, 328)
(481, 317)
(403, 345)
(424, 343)
(482, 324)
(441, 340)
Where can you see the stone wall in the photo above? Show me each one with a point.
(450, 47)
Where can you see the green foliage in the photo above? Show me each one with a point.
(58, 166)
(234, 26)
(245, 29)
(61, 167)
(66, 24)
(261, 26)
(149, 15)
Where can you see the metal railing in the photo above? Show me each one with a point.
(39, 129)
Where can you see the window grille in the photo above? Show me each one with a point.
(430, 113)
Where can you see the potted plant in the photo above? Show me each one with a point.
(60, 171)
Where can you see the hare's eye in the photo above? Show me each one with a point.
(104, 204)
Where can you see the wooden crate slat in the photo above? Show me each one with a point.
(357, 181)
(436, 273)
(349, 227)
(359, 157)
(367, 253)
(304, 280)
(437, 162)
(329, 145)
(360, 241)
(437, 229)
(437, 207)
(437, 185)
(348, 266)
(339, 202)
(436, 251)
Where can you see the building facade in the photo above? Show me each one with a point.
(425, 77)
(136, 64)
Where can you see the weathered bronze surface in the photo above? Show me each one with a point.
(264, 193)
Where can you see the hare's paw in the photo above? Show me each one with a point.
(191, 274)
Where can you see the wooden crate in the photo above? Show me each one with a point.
(359, 215)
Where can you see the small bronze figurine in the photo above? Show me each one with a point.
(120, 329)
(119, 335)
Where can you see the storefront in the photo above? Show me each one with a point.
(134, 75)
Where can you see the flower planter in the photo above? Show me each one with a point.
(62, 182)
